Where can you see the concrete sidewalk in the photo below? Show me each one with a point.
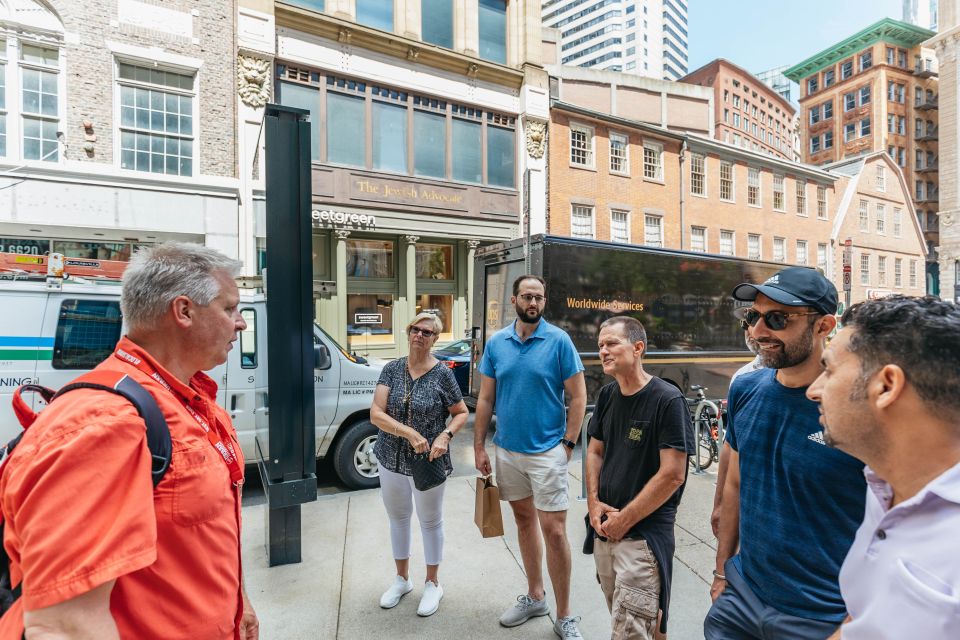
(347, 563)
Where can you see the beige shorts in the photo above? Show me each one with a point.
(627, 571)
(541, 475)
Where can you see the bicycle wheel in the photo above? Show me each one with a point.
(704, 435)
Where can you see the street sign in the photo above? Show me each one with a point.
(846, 277)
(368, 318)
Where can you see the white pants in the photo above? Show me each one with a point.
(399, 496)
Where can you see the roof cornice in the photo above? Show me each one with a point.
(887, 30)
(795, 168)
(617, 120)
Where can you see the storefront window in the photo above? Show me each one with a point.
(321, 261)
(435, 261)
(370, 259)
(94, 250)
(31, 246)
(442, 306)
(369, 320)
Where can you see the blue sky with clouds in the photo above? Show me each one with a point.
(762, 34)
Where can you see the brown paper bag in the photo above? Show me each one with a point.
(487, 513)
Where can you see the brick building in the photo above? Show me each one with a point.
(621, 180)
(105, 142)
(426, 118)
(748, 113)
(877, 91)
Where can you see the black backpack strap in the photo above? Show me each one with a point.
(158, 432)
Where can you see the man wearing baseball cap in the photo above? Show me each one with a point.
(791, 503)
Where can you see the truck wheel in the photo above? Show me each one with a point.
(353, 458)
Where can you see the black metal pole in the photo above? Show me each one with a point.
(287, 459)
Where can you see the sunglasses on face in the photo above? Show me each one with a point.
(426, 333)
(775, 320)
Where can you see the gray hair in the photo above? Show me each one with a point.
(157, 275)
(632, 329)
(424, 315)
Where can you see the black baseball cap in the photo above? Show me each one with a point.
(794, 287)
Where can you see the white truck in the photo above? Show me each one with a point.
(52, 329)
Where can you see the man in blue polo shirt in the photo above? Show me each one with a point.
(790, 503)
(527, 370)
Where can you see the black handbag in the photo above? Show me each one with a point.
(427, 474)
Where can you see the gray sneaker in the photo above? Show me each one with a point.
(525, 609)
(567, 627)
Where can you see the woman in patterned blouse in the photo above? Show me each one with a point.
(414, 396)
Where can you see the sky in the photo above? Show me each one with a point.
(761, 34)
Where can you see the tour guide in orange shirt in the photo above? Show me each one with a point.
(102, 553)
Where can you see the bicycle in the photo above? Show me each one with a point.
(707, 428)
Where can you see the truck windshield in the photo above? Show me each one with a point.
(347, 355)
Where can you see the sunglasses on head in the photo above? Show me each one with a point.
(775, 320)
(426, 333)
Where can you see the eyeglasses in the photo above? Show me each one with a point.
(775, 320)
(426, 333)
(528, 298)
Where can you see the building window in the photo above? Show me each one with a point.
(822, 256)
(827, 109)
(865, 268)
(698, 174)
(389, 136)
(736, 101)
(779, 199)
(308, 98)
(882, 271)
(815, 114)
(779, 250)
(864, 215)
(581, 221)
(881, 216)
(897, 222)
(375, 13)
(815, 144)
(801, 197)
(753, 186)
(653, 161)
(370, 259)
(363, 336)
(801, 252)
(866, 60)
(429, 144)
(846, 69)
(864, 95)
(849, 101)
(156, 120)
(581, 146)
(881, 178)
(726, 181)
(829, 77)
(493, 30)
(500, 155)
(346, 129)
(811, 85)
(898, 272)
(726, 243)
(434, 262)
(436, 22)
(753, 246)
(653, 231)
(698, 239)
(828, 140)
(865, 127)
(821, 202)
(40, 104)
(849, 131)
(467, 148)
(736, 119)
(619, 150)
(620, 226)
(913, 273)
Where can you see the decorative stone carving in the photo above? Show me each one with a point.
(344, 35)
(342, 234)
(253, 81)
(413, 53)
(536, 137)
(411, 239)
(473, 244)
(473, 70)
(947, 218)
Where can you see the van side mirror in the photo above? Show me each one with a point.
(321, 356)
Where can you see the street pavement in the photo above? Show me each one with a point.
(347, 563)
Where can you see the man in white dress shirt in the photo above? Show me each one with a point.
(890, 396)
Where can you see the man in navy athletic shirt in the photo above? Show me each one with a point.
(790, 502)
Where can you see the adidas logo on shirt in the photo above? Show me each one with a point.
(817, 437)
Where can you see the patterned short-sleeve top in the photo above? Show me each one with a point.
(430, 395)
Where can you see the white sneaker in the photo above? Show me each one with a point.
(399, 588)
(430, 601)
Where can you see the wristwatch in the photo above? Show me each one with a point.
(570, 444)
(448, 432)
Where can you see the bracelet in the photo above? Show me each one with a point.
(716, 574)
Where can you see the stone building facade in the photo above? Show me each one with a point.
(118, 126)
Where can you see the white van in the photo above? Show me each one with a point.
(52, 333)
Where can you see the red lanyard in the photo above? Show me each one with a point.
(225, 449)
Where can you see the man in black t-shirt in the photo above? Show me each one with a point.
(641, 435)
